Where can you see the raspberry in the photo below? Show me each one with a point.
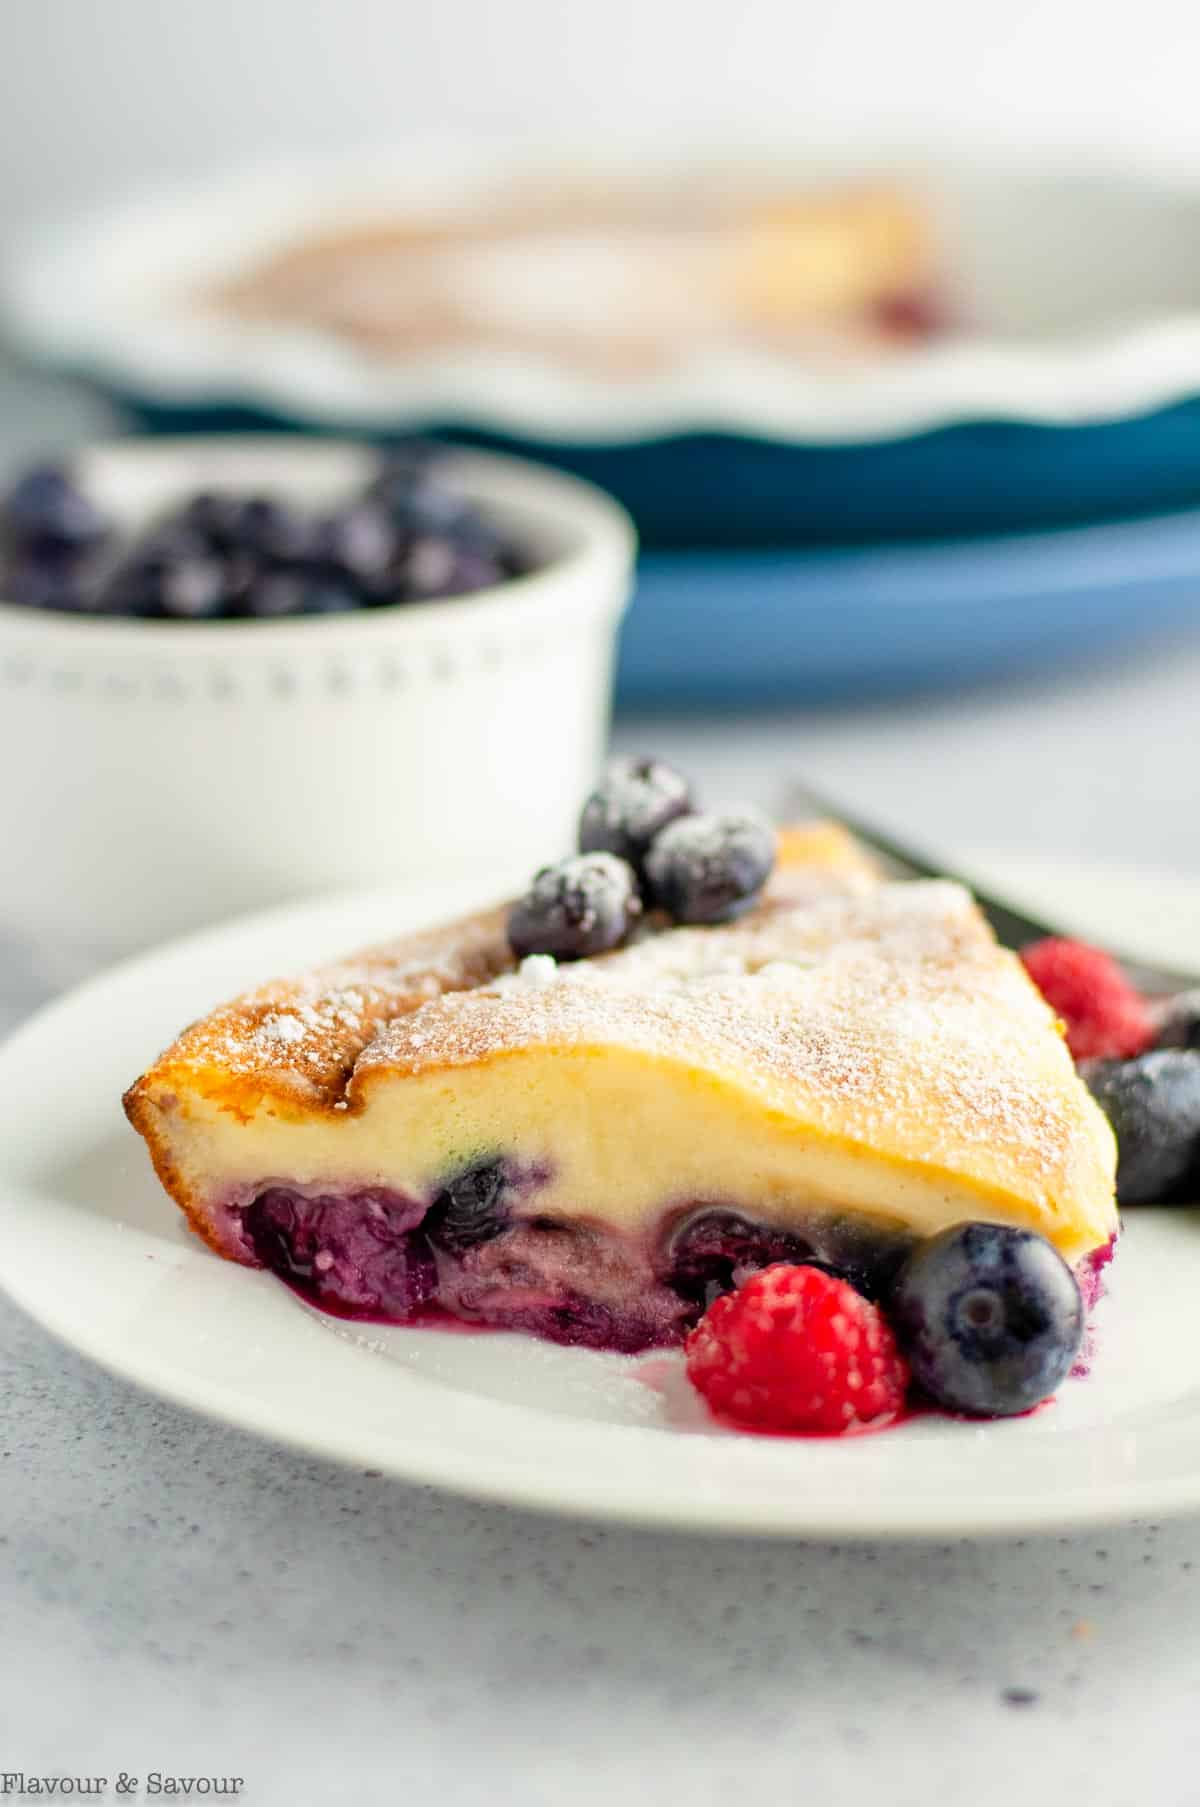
(1106, 1019)
(796, 1349)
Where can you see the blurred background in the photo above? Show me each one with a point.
(143, 92)
(953, 578)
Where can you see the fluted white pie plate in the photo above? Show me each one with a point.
(1058, 327)
(91, 1248)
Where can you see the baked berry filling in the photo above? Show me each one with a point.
(359, 1254)
(478, 1252)
(568, 1283)
(378, 1254)
(710, 1251)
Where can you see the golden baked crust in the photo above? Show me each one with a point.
(298, 1040)
(867, 1036)
(291, 1047)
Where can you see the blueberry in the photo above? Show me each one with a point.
(429, 566)
(259, 527)
(1178, 1022)
(418, 499)
(584, 905)
(266, 528)
(406, 536)
(706, 868)
(46, 504)
(1153, 1104)
(423, 501)
(149, 557)
(278, 595)
(869, 1267)
(194, 589)
(216, 516)
(472, 1208)
(273, 595)
(242, 572)
(46, 577)
(132, 587)
(170, 572)
(712, 1251)
(989, 1317)
(437, 566)
(329, 596)
(128, 590)
(633, 802)
(476, 569)
(360, 540)
(168, 541)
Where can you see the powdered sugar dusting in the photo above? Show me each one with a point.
(535, 972)
(305, 1035)
(280, 1028)
(882, 1015)
(889, 1018)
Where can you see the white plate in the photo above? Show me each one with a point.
(1061, 330)
(91, 1247)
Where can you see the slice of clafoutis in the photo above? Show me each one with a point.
(587, 1151)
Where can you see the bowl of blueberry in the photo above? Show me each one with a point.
(236, 670)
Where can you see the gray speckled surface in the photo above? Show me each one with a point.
(179, 1597)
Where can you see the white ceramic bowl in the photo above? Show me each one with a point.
(158, 776)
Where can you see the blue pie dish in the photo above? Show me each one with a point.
(1067, 392)
(1016, 490)
(691, 490)
(734, 627)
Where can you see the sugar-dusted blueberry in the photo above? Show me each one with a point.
(585, 905)
(633, 802)
(1153, 1104)
(713, 1250)
(46, 504)
(470, 1209)
(989, 1317)
(710, 868)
